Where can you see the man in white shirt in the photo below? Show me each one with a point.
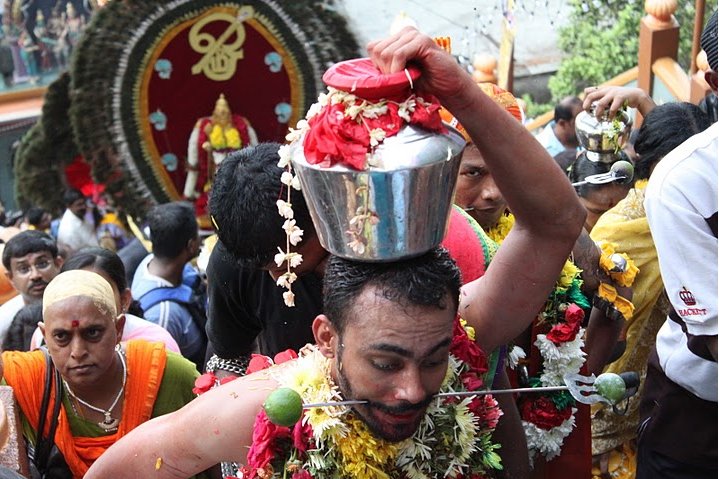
(678, 433)
(77, 227)
(32, 261)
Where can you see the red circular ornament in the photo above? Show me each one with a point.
(362, 78)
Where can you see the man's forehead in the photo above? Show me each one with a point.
(34, 256)
(374, 308)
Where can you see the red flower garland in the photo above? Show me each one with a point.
(336, 138)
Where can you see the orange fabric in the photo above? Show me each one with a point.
(25, 372)
(500, 96)
(7, 290)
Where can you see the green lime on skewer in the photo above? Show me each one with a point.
(283, 407)
(611, 387)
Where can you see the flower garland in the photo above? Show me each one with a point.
(500, 231)
(622, 270)
(549, 418)
(453, 440)
(224, 138)
(342, 129)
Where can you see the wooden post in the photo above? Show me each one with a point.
(698, 87)
(658, 37)
(484, 68)
(696, 36)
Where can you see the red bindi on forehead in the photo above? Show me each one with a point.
(75, 323)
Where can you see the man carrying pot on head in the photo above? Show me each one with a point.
(393, 347)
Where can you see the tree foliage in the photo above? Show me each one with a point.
(601, 40)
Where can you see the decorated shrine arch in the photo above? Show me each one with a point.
(147, 73)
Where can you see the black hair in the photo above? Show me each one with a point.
(243, 205)
(708, 41)
(425, 280)
(172, 225)
(565, 109)
(71, 195)
(663, 129)
(565, 158)
(583, 167)
(26, 242)
(19, 334)
(107, 261)
(34, 215)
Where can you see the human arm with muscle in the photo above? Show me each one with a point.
(548, 214)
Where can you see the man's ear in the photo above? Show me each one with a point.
(8, 274)
(711, 79)
(59, 261)
(326, 336)
(41, 325)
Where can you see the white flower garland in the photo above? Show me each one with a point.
(355, 111)
(557, 360)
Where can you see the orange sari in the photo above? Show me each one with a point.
(25, 372)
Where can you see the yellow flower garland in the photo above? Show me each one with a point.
(222, 138)
(609, 293)
(502, 228)
(623, 278)
(362, 455)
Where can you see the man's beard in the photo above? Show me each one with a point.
(366, 412)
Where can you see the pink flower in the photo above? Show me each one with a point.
(258, 362)
(204, 383)
(471, 380)
(265, 437)
(485, 407)
(284, 356)
(301, 436)
(302, 474)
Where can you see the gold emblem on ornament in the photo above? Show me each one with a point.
(219, 60)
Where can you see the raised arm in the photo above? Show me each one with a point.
(548, 214)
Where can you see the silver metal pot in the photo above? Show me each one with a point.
(602, 138)
(395, 209)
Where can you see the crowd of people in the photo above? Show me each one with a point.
(127, 360)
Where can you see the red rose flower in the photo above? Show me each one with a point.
(567, 331)
(264, 441)
(543, 413)
(301, 436)
(204, 383)
(258, 362)
(284, 356)
(466, 350)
